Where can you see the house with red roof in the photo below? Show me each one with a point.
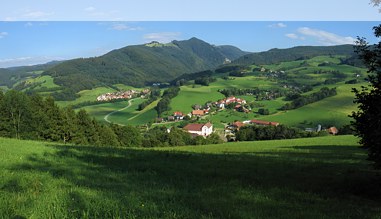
(198, 112)
(178, 115)
(199, 129)
(238, 124)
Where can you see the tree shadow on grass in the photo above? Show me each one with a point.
(162, 184)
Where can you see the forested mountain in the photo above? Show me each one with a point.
(142, 64)
(296, 53)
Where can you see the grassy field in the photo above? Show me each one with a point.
(127, 116)
(131, 116)
(99, 111)
(325, 177)
(330, 111)
(46, 82)
(196, 94)
(87, 95)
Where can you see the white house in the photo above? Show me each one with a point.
(200, 129)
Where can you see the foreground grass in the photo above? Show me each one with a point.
(304, 178)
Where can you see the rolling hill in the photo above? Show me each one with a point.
(13, 75)
(274, 56)
(139, 65)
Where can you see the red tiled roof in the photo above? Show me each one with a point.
(198, 112)
(197, 127)
(194, 127)
(208, 124)
(260, 122)
(238, 124)
(178, 113)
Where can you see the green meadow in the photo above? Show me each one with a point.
(326, 177)
(99, 111)
(131, 115)
(87, 95)
(197, 94)
(330, 111)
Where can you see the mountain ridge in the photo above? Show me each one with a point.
(139, 65)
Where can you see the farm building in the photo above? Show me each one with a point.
(178, 115)
(198, 112)
(200, 129)
(261, 122)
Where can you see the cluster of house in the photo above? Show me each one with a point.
(176, 116)
(122, 95)
(200, 111)
(233, 127)
(221, 104)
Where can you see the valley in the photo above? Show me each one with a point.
(314, 72)
(186, 129)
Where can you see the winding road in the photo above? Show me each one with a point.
(106, 116)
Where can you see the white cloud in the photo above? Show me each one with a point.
(37, 14)
(122, 26)
(90, 9)
(326, 38)
(163, 37)
(3, 34)
(29, 24)
(292, 36)
(25, 61)
(278, 25)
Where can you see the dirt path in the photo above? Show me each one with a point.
(106, 116)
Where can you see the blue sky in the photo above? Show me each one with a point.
(26, 43)
(165, 10)
(38, 31)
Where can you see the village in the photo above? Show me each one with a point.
(228, 134)
(129, 94)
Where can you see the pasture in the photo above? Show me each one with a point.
(325, 177)
(332, 111)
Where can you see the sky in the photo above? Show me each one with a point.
(34, 32)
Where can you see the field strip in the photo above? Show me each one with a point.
(147, 108)
(106, 116)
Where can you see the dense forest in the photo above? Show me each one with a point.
(296, 53)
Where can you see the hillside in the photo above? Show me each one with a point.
(10, 76)
(274, 56)
(139, 65)
(327, 177)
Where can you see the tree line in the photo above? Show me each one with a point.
(255, 133)
(260, 94)
(155, 94)
(164, 104)
(311, 98)
(35, 118)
